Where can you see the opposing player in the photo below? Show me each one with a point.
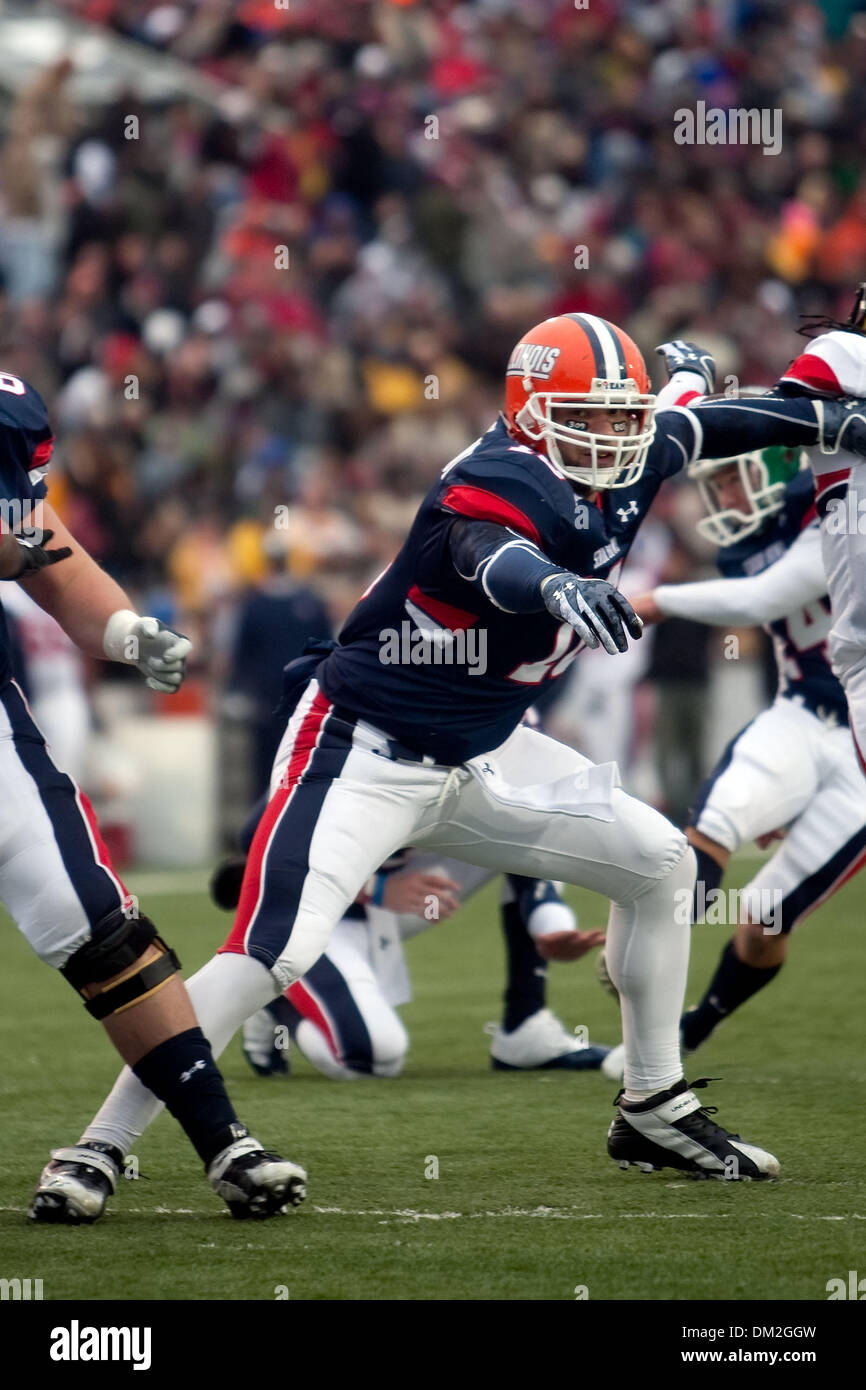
(834, 364)
(56, 878)
(516, 540)
(761, 512)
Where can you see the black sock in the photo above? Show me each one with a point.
(708, 879)
(182, 1073)
(733, 983)
(526, 972)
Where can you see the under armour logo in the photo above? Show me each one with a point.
(625, 512)
(196, 1066)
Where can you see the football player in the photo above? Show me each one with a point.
(57, 880)
(761, 512)
(832, 364)
(516, 541)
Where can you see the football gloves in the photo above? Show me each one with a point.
(35, 556)
(597, 611)
(841, 424)
(146, 643)
(681, 356)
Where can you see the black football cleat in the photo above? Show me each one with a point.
(254, 1183)
(673, 1130)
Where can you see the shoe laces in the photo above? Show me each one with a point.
(703, 1116)
(699, 1085)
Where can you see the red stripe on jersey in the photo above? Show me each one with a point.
(481, 505)
(688, 396)
(300, 996)
(809, 517)
(810, 370)
(445, 614)
(300, 759)
(824, 481)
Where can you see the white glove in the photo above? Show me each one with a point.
(146, 643)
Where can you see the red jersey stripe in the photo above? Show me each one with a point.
(445, 614)
(481, 505)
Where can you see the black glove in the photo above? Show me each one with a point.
(35, 556)
(681, 356)
(841, 424)
(594, 608)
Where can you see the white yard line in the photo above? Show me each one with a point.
(553, 1213)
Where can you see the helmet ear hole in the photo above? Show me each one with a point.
(527, 421)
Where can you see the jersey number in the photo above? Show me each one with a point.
(808, 628)
(565, 649)
(13, 384)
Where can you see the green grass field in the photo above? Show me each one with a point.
(526, 1205)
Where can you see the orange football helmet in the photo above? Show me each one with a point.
(578, 359)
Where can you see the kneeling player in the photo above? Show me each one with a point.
(342, 1015)
(792, 772)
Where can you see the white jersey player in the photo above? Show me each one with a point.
(792, 772)
(833, 364)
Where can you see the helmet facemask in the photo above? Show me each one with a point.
(615, 460)
(764, 476)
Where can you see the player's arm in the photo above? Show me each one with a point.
(516, 576)
(721, 428)
(792, 582)
(95, 612)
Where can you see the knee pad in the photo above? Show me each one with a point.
(118, 942)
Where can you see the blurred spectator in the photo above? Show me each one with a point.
(274, 621)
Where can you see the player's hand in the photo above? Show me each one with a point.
(595, 609)
(647, 609)
(34, 556)
(408, 890)
(567, 945)
(764, 841)
(146, 643)
(841, 424)
(681, 356)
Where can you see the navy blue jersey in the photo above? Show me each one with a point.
(457, 708)
(800, 640)
(25, 448)
(429, 659)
